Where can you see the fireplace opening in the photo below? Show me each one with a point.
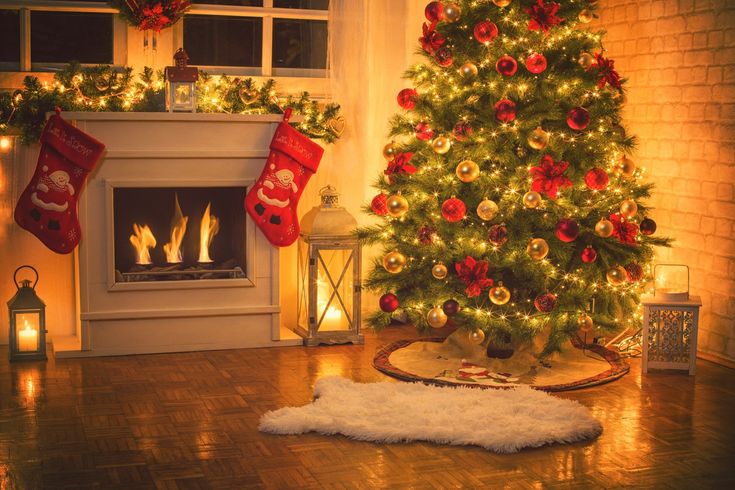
(178, 234)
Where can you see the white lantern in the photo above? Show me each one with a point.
(670, 321)
(181, 79)
(329, 279)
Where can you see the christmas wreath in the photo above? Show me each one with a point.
(151, 14)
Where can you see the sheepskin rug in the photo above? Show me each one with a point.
(504, 421)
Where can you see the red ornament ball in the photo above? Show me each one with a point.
(450, 307)
(407, 98)
(485, 31)
(578, 118)
(434, 11)
(443, 56)
(497, 235)
(453, 209)
(424, 131)
(505, 110)
(545, 302)
(536, 63)
(389, 302)
(596, 179)
(647, 226)
(633, 272)
(462, 130)
(506, 66)
(589, 254)
(379, 204)
(567, 230)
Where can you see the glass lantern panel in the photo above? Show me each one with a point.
(302, 307)
(182, 94)
(672, 279)
(27, 327)
(335, 286)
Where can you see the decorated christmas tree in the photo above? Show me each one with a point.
(511, 205)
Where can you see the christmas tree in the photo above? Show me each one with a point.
(510, 203)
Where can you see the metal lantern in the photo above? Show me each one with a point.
(181, 84)
(670, 321)
(329, 275)
(27, 320)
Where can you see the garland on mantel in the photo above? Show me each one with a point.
(102, 88)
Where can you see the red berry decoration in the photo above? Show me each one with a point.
(505, 110)
(497, 235)
(536, 63)
(424, 131)
(633, 272)
(426, 235)
(578, 118)
(648, 227)
(589, 254)
(567, 230)
(485, 31)
(434, 11)
(453, 209)
(506, 66)
(450, 307)
(389, 302)
(379, 204)
(545, 302)
(462, 130)
(596, 179)
(407, 98)
(443, 56)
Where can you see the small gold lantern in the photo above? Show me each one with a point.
(329, 277)
(27, 320)
(670, 321)
(181, 84)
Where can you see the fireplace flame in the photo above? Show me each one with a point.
(178, 228)
(142, 240)
(208, 228)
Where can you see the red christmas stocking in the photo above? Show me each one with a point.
(272, 201)
(48, 206)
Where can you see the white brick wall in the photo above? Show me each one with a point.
(679, 58)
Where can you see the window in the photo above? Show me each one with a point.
(223, 41)
(9, 39)
(60, 37)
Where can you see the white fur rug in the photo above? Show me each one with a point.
(503, 421)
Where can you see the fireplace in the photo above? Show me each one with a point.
(169, 260)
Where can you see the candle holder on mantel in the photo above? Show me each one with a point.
(181, 82)
(27, 320)
(670, 321)
(329, 277)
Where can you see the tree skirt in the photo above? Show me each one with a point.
(439, 362)
(504, 421)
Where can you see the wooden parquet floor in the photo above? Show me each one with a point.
(189, 421)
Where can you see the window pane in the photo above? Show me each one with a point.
(61, 37)
(9, 36)
(299, 43)
(302, 4)
(239, 3)
(223, 41)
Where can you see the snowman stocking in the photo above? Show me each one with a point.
(272, 201)
(48, 206)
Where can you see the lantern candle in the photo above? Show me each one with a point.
(27, 339)
(332, 319)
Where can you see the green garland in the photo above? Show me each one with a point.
(103, 88)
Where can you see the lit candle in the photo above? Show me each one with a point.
(332, 318)
(28, 339)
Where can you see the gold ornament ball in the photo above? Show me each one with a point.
(625, 167)
(538, 139)
(537, 249)
(585, 16)
(502, 3)
(397, 205)
(532, 199)
(628, 208)
(487, 209)
(452, 12)
(441, 144)
(586, 60)
(616, 276)
(394, 262)
(585, 323)
(247, 96)
(604, 228)
(436, 317)
(390, 151)
(499, 294)
(476, 336)
(467, 171)
(468, 70)
(439, 271)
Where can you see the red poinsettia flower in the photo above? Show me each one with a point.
(543, 16)
(400, 165)
(606, 71)
(623, 230)
(431, 40)
(549, 176)
(473, 273)
(154, 18)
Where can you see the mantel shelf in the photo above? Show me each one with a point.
(175, 117)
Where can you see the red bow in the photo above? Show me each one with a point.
(431, 40)
(606, 71)
(424, 131)
(623, 230)
(549, 176)
(473, 273)
(400, 165)
(543, 16)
